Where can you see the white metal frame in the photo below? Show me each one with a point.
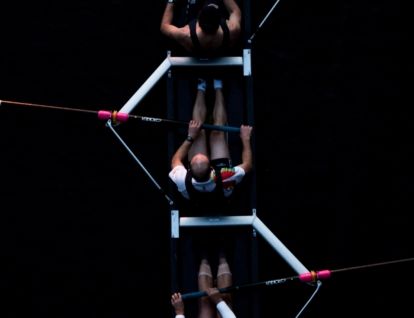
(183, 61)
(176, 220)
(247, 220)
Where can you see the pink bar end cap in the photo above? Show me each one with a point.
(122, 117)
(104, 114)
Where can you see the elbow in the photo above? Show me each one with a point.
(247, 167)
(175, 162)
(162, 29)
(166, 30)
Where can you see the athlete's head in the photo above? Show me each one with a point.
(200, 168)
(209, 18)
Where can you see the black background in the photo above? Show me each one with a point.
(85, 233)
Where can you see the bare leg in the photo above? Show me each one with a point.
(218, 139)
(224, 279)
(205, 280)
(199, 113)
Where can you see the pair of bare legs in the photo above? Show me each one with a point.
(205, 280)
(198, 153)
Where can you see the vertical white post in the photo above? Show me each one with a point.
(175, 224)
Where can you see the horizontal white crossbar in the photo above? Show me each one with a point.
(216, 221)
(192, 61)
(178, 61)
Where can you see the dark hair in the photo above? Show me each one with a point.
(209, 18)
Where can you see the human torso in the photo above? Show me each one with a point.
(203, 44)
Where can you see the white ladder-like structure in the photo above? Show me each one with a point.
(177, 221)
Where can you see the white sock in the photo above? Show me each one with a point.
(218, 84)
(202, 85)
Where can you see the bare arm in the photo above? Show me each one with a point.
(166, 22)
(247, 156)
(234, 22)
(180, 35)
(233, 9)
(182, 152)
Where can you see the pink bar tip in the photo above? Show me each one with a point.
(104, 114)
(313, 276)
(122, 117)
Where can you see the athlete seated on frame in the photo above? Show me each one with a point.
(202, 163)
(210, 32)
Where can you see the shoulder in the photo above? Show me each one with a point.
(178, 173)
(183, 36)
(178, 176)
(239, 171)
